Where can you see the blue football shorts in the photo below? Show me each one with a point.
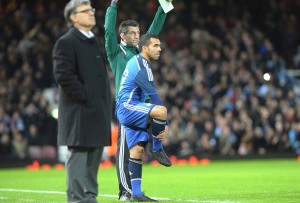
(134, 118)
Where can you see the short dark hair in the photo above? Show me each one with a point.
(145, 40)
(123, 28)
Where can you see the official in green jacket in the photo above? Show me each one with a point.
(118, 55)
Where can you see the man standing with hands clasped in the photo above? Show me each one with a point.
(135, 115)
(118, 56)
(85, 106)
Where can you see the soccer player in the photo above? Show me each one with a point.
(135, 115)
(118, 56)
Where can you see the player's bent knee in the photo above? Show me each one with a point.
(159, 112)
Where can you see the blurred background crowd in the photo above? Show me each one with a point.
(223, 75)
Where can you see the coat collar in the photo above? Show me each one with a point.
(78, 34)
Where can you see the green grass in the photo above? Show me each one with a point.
(219, 182)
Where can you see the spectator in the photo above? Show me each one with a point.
(19, 145)
(34, 142)
(5, 146)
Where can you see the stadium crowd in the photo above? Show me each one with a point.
(210, 75)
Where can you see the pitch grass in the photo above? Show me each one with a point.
(248, 181)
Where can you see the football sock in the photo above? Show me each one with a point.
(135, 171)
(156, 144)
(157, 126)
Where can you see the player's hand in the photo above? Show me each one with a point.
(166, 130)
(162, 134)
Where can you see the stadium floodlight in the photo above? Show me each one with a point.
(267, 76)
(54, 113)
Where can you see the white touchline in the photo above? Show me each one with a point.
(109, 195)
(31, 191)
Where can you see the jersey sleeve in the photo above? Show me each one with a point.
(144, 79)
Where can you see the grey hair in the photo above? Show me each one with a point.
(71, 8)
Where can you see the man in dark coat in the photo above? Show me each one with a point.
(85, 108)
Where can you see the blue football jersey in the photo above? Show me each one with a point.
(137, 81)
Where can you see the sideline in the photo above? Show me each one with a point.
(107, 195)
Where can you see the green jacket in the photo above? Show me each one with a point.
(119, 54)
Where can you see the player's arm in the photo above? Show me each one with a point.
(144, 79)
(111, 40)
(158, 22)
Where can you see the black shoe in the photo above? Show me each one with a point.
(161, 157)
(143, 198)
(125, 197)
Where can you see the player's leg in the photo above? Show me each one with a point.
(122, 160)
(134, 118)
(137, 140)
(158, 116)
(137, 116)
(135, 168)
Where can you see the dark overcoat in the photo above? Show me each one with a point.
(85, 104)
